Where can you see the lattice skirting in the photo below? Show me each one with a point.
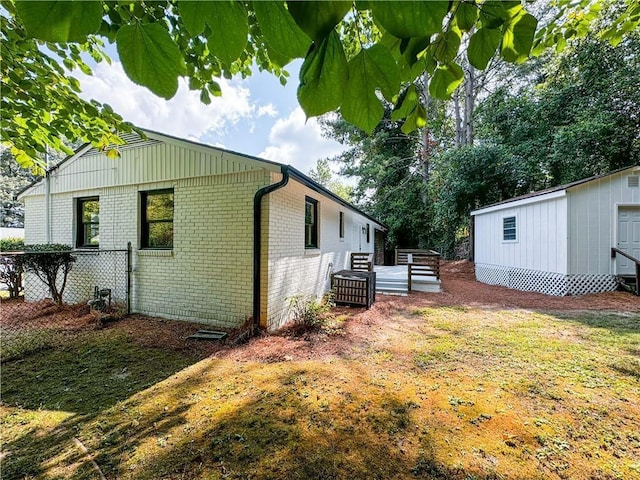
(545, 282)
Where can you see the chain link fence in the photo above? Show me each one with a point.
(67, 292)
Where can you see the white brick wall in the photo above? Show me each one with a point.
(294, 270)
(207, 277)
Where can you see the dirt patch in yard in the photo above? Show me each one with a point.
(460, 290)
(350, 329)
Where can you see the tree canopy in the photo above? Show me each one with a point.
(357, 55)
(574, 114)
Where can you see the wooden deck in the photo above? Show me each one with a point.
(393, 280)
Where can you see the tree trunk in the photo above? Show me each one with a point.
(458, 119)
(469, 104)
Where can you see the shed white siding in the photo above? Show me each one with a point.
(564, 236)
(294, 270)
(541, 229)
(593, 214)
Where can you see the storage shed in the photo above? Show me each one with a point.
(559, 241)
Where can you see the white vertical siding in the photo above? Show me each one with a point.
(147, 163)
(592, 209)
(541, 236)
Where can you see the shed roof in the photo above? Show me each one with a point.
(546, 193)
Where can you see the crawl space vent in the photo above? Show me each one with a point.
(633, 181)
(208, 335)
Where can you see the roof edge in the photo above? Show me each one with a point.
(541, 193)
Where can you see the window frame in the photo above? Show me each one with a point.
(506, 228)
(144, 223)
(341, 225)
(314, 242)
(368, 233)
(81, 225)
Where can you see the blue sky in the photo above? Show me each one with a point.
(255, 116)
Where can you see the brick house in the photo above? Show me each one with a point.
(218, 237)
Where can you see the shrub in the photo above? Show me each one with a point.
(307, 311)
(11, 265)
(48, 262)
(12, 244)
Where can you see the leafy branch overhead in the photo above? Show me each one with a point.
(354, 53)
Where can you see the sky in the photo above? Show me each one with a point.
(255, 116)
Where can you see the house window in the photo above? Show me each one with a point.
(341, 224)
(310, 223)
(509, 229)
(88, 226)
(368, 233)
(157, 219)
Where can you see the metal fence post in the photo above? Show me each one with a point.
(128, 278)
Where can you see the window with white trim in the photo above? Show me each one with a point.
(509, 229)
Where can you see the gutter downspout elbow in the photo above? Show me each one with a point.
(257, 241)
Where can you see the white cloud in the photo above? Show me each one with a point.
(298, 143)
(184, 115)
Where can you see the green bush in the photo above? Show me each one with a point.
(11, 265)
(48, 262)
(11, 244)
(307, 311)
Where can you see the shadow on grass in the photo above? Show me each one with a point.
(274, 426)
(85, 377)
(617, 324)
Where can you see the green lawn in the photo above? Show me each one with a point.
(431, 393)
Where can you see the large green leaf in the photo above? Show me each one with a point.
(517, 38)
(482, 46)
(371, 70)
(445, 80)
(60, 21)
(280, 29)
(417, 119)
(323, 77)
(150, 57)
(466, 15)
(228, 23)
(317, 19)
(194, 15)
(446, 45)
(229, 30)
(410, 19)
(409, 102)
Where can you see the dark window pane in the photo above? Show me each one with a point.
(159, 206)
(509, 228)
(160, 235)
(92, 235)
(90, 211)
(311, 225)
(88, 222)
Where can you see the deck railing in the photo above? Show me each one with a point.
(617, 251)
(361, 262)
(402, 254)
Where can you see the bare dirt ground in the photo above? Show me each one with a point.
(459, 288)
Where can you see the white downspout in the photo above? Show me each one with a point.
(47, 198)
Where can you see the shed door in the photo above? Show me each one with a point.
(628, 238)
